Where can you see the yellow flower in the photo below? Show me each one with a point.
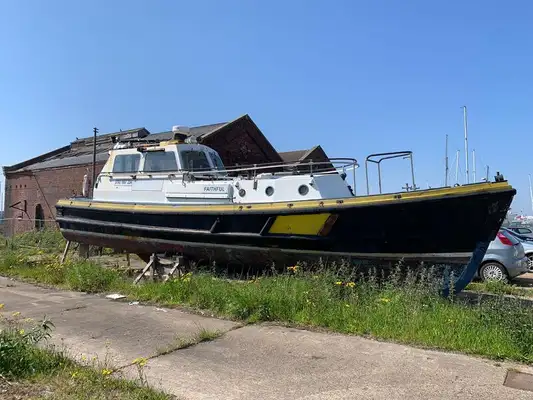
(347, 305)
(21, 332)
(28, 319)
(384, 300)
(1, 305)
(106, 372)
(74, 374)
(83, 357)
(187, 279)
(294, 268)
(16, 314)
(350, 284)
(141, 361)
(338, 283)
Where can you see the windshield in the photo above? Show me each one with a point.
(194, 160)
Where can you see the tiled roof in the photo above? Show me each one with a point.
(80, 151)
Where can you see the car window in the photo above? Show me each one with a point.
(524, 230)
(126, 163)
(194, 160)
(160, 161)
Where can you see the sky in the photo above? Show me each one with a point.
(356, 77)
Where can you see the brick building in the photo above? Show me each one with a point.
(33, 187)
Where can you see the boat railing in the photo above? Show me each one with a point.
(378, 158)
(307, 167)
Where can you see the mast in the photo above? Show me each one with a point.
(474, 164)
(457, 167)
(487, 177)
(465, 123)
(446, 163)
(530, 192)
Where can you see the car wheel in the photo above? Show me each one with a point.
(530, 262)
(493, 271)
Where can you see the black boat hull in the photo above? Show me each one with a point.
(442, 225)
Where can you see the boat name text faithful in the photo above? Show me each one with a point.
(216, 189)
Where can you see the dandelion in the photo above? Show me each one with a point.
(74, 374)
(106, 372)
(350, 284)
(21, 332)
(338, 283)
(384, 300)
(15, 314)
(2, 305)
(83, 357)
(94, 358)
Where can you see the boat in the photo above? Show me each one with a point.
(177, 197)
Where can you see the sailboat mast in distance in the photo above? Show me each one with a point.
(465, 122)
(530, 192)
(446, 163)
(474, 165)
(457, 167)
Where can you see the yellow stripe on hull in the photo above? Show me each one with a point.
(302, 206)
(303, 224)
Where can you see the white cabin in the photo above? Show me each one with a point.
(175, 172)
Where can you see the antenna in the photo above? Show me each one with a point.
(457, 167)
(530, 192)
(474, 164)
(465, 122)
(446, 163)
(487, 177)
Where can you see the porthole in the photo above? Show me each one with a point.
(242, 192)
(269, 191)
(303, 190)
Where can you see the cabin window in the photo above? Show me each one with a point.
(126, 163)
(159, 161)
(217, 162)
(194, 160)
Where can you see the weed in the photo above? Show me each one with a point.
(41, 369)
(87, 277)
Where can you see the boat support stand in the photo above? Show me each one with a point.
(453, 286)
(158, 269)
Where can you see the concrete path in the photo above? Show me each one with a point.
(253, 362)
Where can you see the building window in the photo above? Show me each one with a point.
(160, 161)
(126, 163)
(39, 217)
(194, 160)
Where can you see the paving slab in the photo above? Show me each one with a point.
(271, 362)
(94, 326)
(256, 362)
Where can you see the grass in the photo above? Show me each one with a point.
(405, 307)
(500, 288)
(203, 335)
(29, 368)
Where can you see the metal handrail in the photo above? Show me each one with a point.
(388, 156)
(314, 168)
